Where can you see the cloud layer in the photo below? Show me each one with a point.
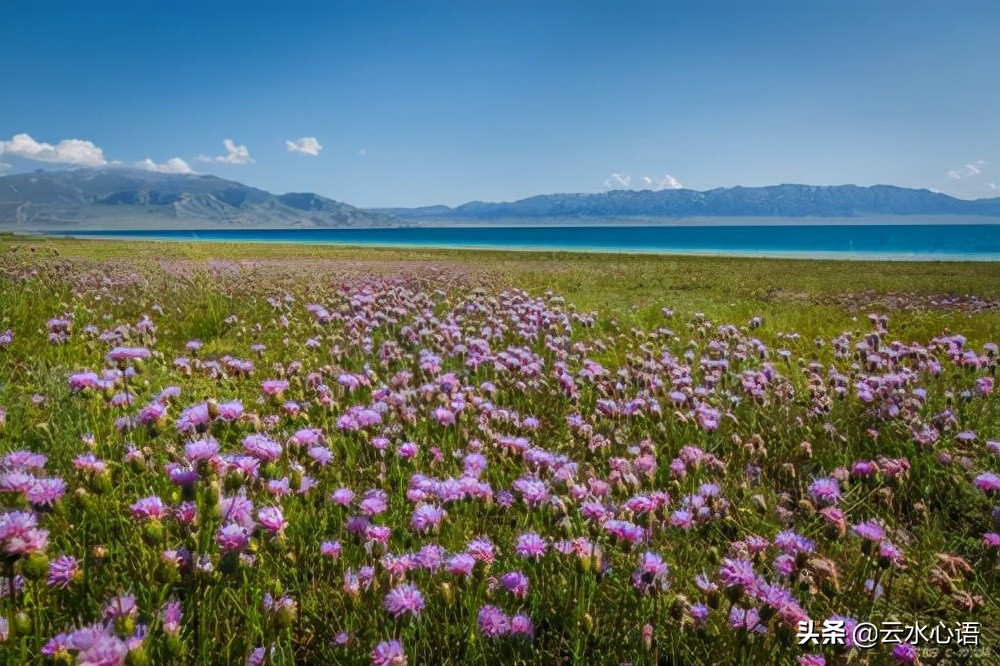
(623, 181)
(234, 154)
(307, 145)
(173, 165)
(969, 169)
(67, 151)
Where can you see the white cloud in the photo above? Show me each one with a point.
(970, 169)
(173, 165)
(668, 182)
(622, 181)
(307, 145)
(618, 181)
(234, 155)
(68, 151)
(992, 186)
(4, 165)
(362, 152)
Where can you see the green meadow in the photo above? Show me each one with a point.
(695, 409)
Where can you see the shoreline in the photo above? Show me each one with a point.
(819, 255)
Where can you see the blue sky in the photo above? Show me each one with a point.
(422, 103)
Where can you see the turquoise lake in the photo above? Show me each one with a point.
(892, 241)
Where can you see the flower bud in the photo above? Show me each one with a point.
(447, 592)
(174, 645)
(137, 657)
(152, 532)
(22, 624)
(285, 616)
(35, 566)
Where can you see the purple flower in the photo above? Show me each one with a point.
(262, 447)
(171, 617)
(746, 619)
(202, 449)
(460, 565)
(481, 549)
(522, 624)
(45, 492)
(825, 491)
(403, 600)
(890, 553)
(120, 607)
(274, 387)
(812, 660)
(516, 583)
(272, 519)
(530, 545)
(257, 657)
(232, 536)
(96, 647)
(426, 517)
(863, 468)
(342, 496)
(794, 543)
(785, 564)
(330, 549)
(119, 354)
(63, 570)
(56, 645)
(374, 502)
(19, 534)
(430, 557)
(238, 509)
(988, 482)
(493, 622)
(707, 417)
(149, 508)
(625, 531)
(869, 530)
(307, 437)
(230, 411)
(533, 491)
(651, 575)
(408, 450)
(738, 574)
(388, 653)
(699, 613)
(683, 519)
(905, 653)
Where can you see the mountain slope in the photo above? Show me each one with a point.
(774, 201)
(118, 198)
(115, 198)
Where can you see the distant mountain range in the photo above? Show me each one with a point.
(773, 201)
(113, 198)
(132, 198)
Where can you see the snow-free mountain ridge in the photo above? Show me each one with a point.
(118, 198)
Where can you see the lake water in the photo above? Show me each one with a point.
(891, 241)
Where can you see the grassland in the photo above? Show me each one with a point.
(761, 392)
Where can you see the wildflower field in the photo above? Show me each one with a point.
(263, 454)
